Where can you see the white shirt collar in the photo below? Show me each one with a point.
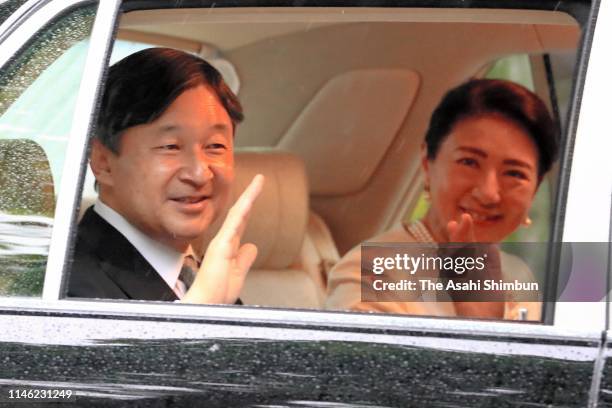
(166, 261)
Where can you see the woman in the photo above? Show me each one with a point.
(488, 147)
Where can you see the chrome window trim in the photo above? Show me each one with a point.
(69, 192)
(36, 19)
(304, 319)
(350, 14)
(19, 16)
(65, 215)
(588, 202)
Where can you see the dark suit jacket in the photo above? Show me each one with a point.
(106, 265)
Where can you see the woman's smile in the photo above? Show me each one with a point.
(486, 167)
(481, 217)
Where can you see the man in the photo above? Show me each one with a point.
(162, 155)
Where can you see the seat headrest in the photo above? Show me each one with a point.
(26, 183)
(277, 223)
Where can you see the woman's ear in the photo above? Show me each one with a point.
(425, 166)
(99, 161)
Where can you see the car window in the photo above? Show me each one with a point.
(342, 120)
(38, 90)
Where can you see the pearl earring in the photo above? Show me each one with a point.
(527, 222)
(426, 192)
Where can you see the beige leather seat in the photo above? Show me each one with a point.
(295, 246)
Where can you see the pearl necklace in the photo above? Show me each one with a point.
(420, 232)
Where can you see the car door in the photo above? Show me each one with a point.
(159, 354)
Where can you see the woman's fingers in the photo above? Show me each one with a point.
(487, 310)
(462, 231)
(451, 229)
(465, 231)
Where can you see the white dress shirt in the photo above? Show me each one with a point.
(166, 261)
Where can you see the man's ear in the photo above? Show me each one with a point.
(99, 161)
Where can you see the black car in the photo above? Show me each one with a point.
(337, 95)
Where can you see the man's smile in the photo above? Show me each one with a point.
(194, 204)
(191, 199)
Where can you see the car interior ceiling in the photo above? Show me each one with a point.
(335, 112)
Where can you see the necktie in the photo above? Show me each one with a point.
(188, 271)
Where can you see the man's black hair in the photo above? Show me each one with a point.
(509, 100)
(140, 87)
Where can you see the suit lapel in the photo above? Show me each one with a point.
(122, 262)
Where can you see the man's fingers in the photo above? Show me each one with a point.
(237, 215)
(210, 284)
(225, 264)
(252, 191)
(245, 258)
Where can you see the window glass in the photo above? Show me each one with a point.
(8, 7)
(336, 127)
(561, 66)
(124, 48)
(38, 90)
(516, 68)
